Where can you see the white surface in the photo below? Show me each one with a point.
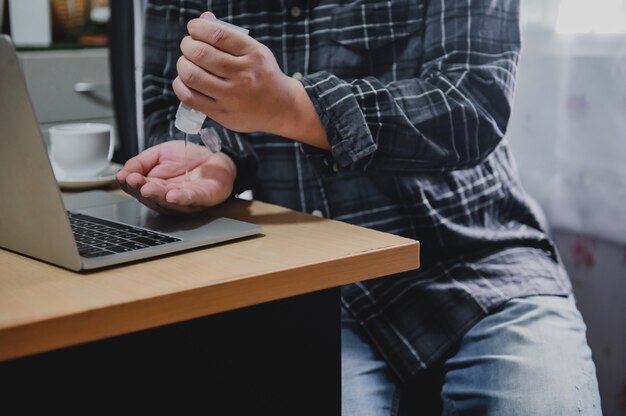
(30, 22)
(597, 16)
(568, 129)
(107, 177)
(597, 269)
(579, 180)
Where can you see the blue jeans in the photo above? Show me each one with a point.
(528, 358)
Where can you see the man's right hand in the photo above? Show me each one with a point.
(156, 177)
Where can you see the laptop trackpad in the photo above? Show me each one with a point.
(81, 200)
(202, 227)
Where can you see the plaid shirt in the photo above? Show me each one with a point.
(415, 96)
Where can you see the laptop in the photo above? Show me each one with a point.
(88, 230)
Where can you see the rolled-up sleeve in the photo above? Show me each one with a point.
(449, 117)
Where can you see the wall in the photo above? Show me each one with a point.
(598, 272)
(568, 135)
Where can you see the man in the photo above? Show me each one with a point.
(389, 115)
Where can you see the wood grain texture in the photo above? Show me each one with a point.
(43, 307)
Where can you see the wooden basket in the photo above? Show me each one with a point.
(68, 15)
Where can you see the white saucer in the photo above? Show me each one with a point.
(104, 178)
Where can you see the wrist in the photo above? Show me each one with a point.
(301, 121)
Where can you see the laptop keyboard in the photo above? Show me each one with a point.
(96, 237)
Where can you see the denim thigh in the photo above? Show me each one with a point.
(367, 386)
(530, 357)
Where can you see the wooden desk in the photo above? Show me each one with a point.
(43, 307)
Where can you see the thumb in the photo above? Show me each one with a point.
(181, 196)
(208, 16)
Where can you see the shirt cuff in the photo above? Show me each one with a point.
(346, 129)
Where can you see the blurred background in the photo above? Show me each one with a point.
(568, 134)
(56, 23)
(568, 129)
(64, 51)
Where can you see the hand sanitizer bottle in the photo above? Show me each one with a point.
(190, 121)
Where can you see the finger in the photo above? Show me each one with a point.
(169, 170)
(223, 38)
(163, 207)
(192, 194)
(171, 194)
(132, 185)
(184, 197)
(181, 202)
(124, 188)
(127, 189)
(154, 206)
(180, 196)
(200, 79)
(153, 195)
(154, 191)
(121, 175)
(135, 181)
(135, 168)
(177, 190)
(142, 163)
(200, 193)
(209, 57)
(193, 98)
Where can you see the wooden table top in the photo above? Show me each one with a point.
(43, 307)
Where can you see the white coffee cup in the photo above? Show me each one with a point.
(79, 150)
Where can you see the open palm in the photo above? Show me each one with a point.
(157, 177)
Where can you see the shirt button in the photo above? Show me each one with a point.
(297, 75)
(335, 167)
(295, 12)
(317, 213)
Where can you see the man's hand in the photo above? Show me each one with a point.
(156, 177)
(236, 81)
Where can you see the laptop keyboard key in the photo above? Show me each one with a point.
(145, 240)
(98, 253)
(86, 250)
(170, 239)
(96, 237)
(120, 249)
(127, 235)
(133, 245)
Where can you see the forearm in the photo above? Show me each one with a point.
(421, 124)
(302, 123)
(449, 114)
